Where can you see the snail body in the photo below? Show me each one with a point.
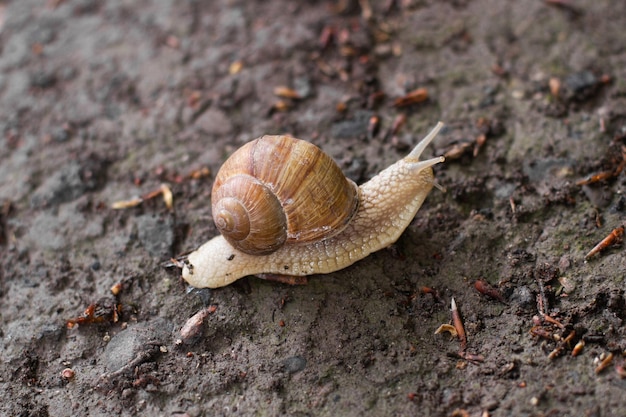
(354, 222)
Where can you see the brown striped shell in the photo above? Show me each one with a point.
(280, 190)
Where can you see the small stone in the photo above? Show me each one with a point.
(580, 85)
(43, 79)
(69, 182)
(564, 263)
(214, 122)
(352, 128)
(127, 345)
(62, 186)
(523, 297)
(303, 87)
(294, 364)
(156, 234)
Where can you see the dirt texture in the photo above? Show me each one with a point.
(101, 101)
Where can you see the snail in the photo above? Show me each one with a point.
(284, 207)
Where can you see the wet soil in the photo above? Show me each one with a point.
(104, 101)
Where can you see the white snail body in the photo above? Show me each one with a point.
(386, 205)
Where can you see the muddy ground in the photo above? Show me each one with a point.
(104, 101)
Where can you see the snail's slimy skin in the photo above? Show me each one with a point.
(387, 204)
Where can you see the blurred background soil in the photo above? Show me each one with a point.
(104, 101)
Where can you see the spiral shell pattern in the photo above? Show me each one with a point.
(280, 190)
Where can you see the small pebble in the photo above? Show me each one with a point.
(294, 364)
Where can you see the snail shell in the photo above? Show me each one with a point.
(280, 190)
(386, 206)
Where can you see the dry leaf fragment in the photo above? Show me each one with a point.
(416, 96)
(447, 328)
